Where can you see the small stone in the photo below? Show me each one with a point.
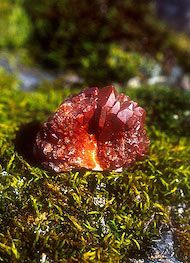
(97, 129)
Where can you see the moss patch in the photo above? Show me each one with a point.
(85, 216)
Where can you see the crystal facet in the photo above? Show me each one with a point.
(97, 129)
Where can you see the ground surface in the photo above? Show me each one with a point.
(84, 216)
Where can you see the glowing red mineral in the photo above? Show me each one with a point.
(97, 129)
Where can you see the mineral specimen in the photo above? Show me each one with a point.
(97, 129)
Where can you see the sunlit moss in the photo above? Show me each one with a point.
(86, 216)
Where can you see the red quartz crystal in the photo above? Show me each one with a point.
(97, 129)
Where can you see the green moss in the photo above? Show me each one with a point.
(85, 216)
(168, 109)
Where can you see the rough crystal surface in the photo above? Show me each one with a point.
(97, 129)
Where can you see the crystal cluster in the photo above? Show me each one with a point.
(97, 129)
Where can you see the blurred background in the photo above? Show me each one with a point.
(126, 42)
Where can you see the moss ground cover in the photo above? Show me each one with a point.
(84, 216)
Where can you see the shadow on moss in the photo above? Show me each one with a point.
(25, 139)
